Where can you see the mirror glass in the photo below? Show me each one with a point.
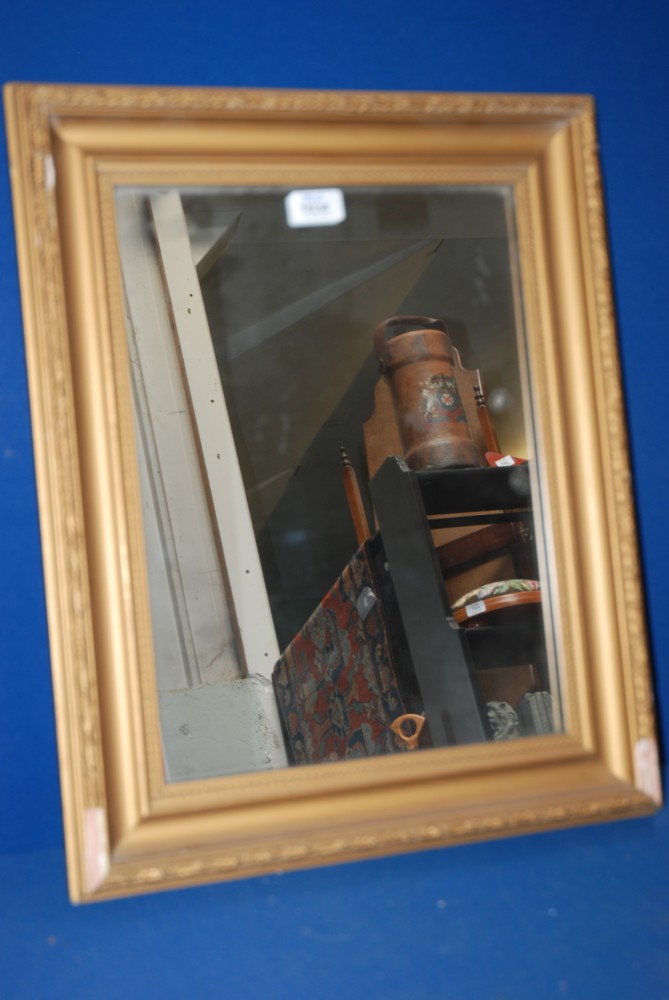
(338, 472)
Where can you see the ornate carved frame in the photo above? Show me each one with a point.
(129, 831)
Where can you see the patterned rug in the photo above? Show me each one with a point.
(336, 683)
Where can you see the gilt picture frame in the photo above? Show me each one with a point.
(130, 826)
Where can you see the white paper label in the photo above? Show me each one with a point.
(96, 849)
(366, 602)
(506, 460)
(477, 608)
(647, 769)
(315, 207)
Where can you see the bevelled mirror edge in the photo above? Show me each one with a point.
(610, 771)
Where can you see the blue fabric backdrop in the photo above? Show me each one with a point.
(580, 913)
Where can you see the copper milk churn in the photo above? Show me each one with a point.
(415, 355)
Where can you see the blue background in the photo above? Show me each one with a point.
(582, 913)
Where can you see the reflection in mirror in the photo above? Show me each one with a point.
(336, 464)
